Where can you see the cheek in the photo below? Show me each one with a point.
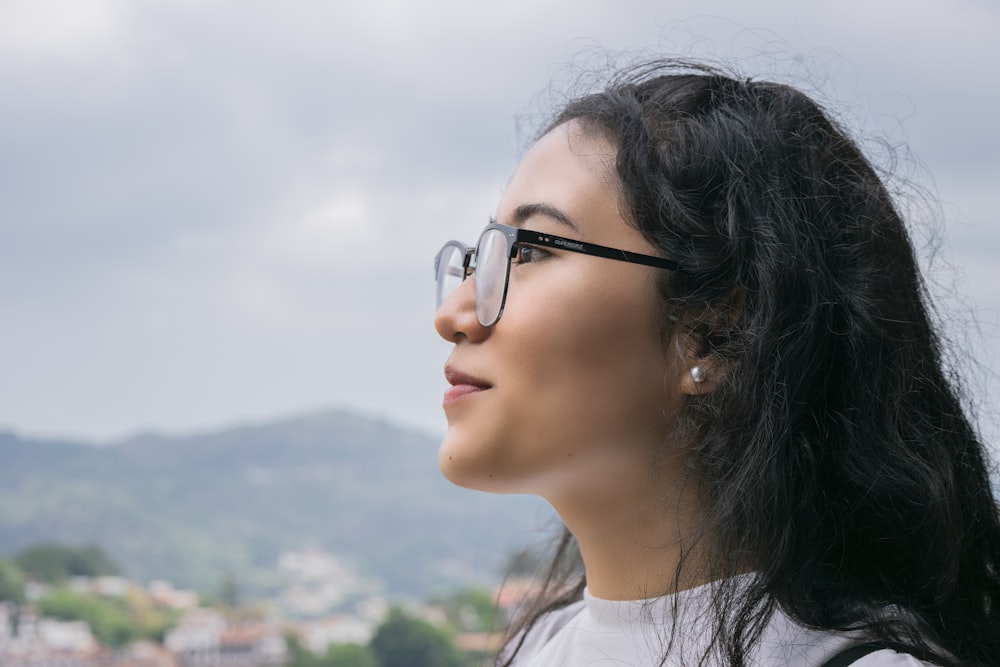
(595, 368)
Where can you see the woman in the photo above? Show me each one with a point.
(697, 329)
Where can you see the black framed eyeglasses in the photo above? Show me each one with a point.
(491, 258)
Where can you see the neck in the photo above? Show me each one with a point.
(636, 534)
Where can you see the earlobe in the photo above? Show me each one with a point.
(702, 374)
(701, 378)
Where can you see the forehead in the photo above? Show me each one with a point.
(567, 151)
(568, 169)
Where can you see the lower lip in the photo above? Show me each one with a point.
(461, 391)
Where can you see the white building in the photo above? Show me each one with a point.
(320, 634)
(199, 630)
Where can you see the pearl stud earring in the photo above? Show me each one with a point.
(697, 374)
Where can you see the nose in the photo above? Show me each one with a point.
(456, 318)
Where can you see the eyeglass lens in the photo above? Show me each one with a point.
(450, 271)
(491, 268)
(491, 275)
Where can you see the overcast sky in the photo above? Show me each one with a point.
(220, 211)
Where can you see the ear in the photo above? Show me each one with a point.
(699, 373)
(701, 369)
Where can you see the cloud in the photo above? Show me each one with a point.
(219, 209)
(59, 31)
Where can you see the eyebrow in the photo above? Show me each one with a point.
(525, 211)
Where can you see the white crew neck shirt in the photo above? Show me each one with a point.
(635, 633)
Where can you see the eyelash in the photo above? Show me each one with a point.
(519, 255)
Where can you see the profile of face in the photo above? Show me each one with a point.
(574, 386)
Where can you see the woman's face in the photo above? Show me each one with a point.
(571, 387)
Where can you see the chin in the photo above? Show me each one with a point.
(468, 472)
(458, 471)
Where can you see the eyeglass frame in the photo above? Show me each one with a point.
(516, 236)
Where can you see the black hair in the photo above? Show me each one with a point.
(835, 458)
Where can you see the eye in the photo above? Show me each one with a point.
(525, 254)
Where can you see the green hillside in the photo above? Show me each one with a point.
(196, 509)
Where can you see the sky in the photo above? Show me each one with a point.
(216, 212)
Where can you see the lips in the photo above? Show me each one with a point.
(462, 385)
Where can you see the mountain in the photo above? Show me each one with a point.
(200, 508)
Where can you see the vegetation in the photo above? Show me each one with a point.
(229, 593)
(338, 655)
(403, 641)
(11, 582)
(52, 563)
(190, 509)
(471, 610)
(114, 621)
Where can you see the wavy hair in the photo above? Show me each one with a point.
(836, 457)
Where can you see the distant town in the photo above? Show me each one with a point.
(325, 615)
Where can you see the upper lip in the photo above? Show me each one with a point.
(457, 377)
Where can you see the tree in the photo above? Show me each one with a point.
(337, 655)
(108, 619)
(11, 583)
(402, 641)
(114, 621)
(53, 563)
(300, 656)
(471, 610)
(349, 655)
(229, 591)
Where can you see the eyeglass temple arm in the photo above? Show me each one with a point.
(551, 241)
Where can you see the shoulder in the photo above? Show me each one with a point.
(877, 654)
(786, 642)
(890, 658)
(536, 637)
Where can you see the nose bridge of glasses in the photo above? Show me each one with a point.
(468, 262)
